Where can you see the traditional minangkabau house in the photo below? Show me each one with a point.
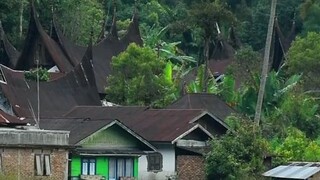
(8, 53)
(53, 98)
(103, 51)
(58, 51)
(281, 44)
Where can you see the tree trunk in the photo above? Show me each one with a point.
(265, 66)
(206, 58)
(21, 19)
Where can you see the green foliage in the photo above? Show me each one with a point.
(299, 111)
(138, 79)
(296, 147)
(238, 154)
(247, 64)
(202, 83)
(276, 89)
(206, 14)
(303, 57)
(227, 90)
(309, 11)
(80, 18)
(33, 74)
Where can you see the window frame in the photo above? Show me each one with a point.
(89, 161)
(152, 162)
(42, 164)
(124, 166)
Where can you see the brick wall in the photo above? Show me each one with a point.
(19, 163)
(190, 167)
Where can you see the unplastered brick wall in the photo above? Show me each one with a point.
(19, 163)
(190, 167)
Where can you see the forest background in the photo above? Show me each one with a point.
(178, 38)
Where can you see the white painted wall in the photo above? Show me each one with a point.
(168, 169)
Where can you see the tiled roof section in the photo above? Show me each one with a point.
(10, 52)
(9, 120)
(102, 52)
(209, 102)
(56, 96)
(36, 35)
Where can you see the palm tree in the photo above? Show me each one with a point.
(265, 66)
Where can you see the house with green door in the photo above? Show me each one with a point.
(104, 149)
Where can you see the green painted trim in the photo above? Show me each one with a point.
(75, 166)
(135, 167)
(102, 165)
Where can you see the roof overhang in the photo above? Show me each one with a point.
(212, 116)
(196, 126)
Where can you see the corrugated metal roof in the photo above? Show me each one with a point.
(299, 170)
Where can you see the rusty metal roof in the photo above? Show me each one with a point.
(209, 102)
(56, 96)
(10, 120)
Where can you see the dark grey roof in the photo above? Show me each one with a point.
(81, 128)
(56, 96)
(163, 125)
(297, 170)
(209, 102)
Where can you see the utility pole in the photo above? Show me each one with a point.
(265, 66)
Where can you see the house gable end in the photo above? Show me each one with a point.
(115, 137)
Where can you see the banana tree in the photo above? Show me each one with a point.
(200, 84)
(276, 89)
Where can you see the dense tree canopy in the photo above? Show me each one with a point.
(138, 79)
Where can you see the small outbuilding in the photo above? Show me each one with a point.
(295, 170)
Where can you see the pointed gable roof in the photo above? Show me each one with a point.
(38, 38)
(56, 96)
(209, 102)
(102, 51)
(10, 51)
(83, 128)
(281, 44)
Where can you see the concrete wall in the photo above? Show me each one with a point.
(33, 137)
(19, 163)
(190, 167)
(168, 169)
